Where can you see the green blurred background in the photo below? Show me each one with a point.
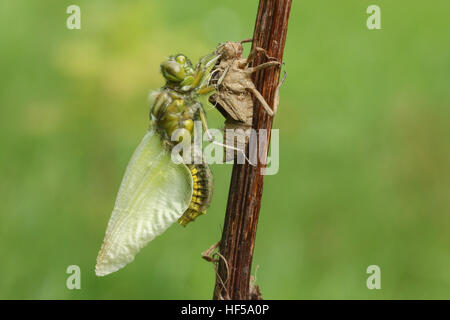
(364, 135)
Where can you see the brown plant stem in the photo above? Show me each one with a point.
(244, 200)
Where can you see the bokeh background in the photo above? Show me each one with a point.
(364, 134)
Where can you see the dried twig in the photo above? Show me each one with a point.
(244, 201)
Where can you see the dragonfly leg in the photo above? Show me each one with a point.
(211, 138)
(263, 66)
(276, 99)
(262, 101)
(257, 50)
(202, 76)
(223, 76)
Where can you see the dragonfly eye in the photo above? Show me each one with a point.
(180, 59)
(173, 71)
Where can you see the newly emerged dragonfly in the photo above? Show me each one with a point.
(156, 191)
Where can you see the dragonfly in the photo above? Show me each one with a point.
(156, 191)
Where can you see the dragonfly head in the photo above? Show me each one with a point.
(177, 69)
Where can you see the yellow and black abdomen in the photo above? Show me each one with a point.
(202, 192)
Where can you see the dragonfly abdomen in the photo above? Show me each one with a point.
(202, 192)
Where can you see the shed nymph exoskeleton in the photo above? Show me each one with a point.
(235, 91)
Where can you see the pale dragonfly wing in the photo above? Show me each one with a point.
(154, 193)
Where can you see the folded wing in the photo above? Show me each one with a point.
(154, 193)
